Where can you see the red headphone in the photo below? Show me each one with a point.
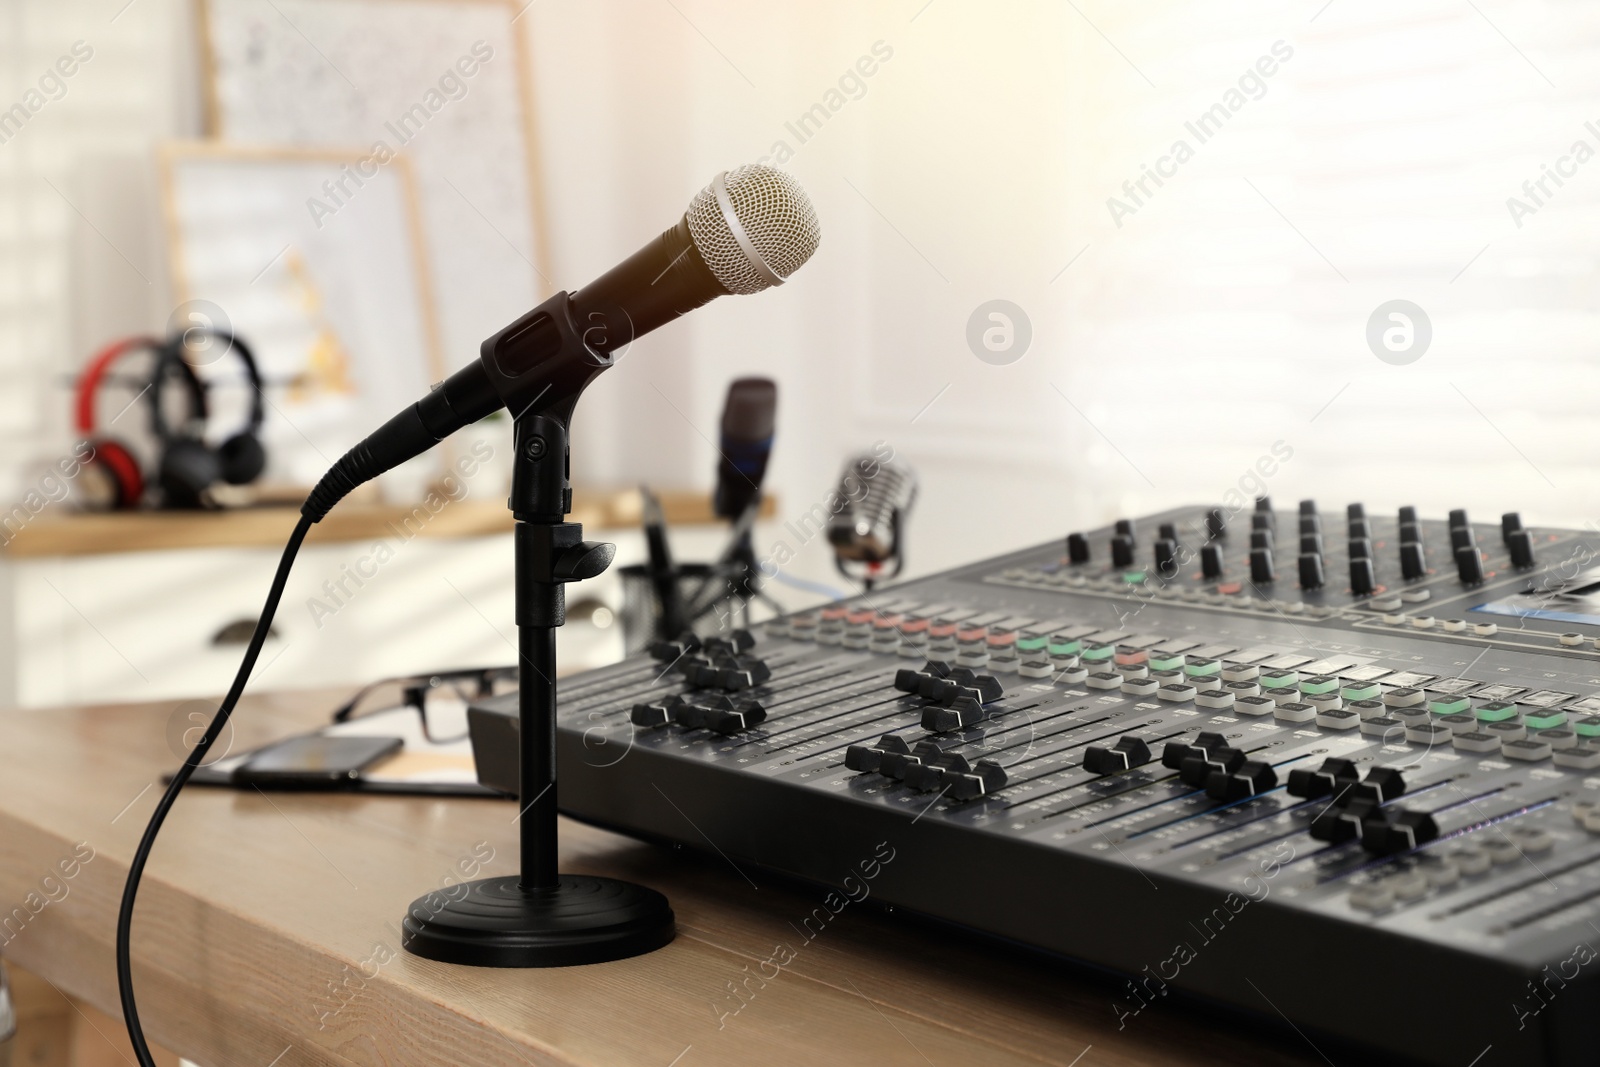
(120, 483)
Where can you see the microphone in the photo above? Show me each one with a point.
(748, 230)
(869, 528)
(748, 419)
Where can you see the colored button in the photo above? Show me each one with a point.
(941, 630)
(1452, 705)
(976, 633)
(1131, 657)
(1545, 718)
(1497, 711)
(858, 618)
(1003, 640)
(829, 614)
(886, 622)
(1032, 644)
(915, 626)
(1098, 653)
(1228, 588)
(1313, 687)
(1279, 680)
(1589, 727)
(1065, 646)
(1134, 577)
(1361, 691)
(1202, 668)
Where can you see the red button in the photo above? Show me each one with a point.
(830, 614)
(1132, 657)
(886, 622)
(856, 618)
(1003, 640)
(1229, 588)
(944, 629)
(914, 626)
(975, 634)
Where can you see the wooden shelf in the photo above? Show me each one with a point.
(82, 534)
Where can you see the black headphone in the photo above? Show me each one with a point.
(188, 466)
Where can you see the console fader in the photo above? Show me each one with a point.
(1339, 766)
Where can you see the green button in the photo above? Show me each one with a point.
(1098, 653)
(1172, 663)
(1544, 718)
(1589, 727)
(1315, 687)
(1202, 668)
(1059, 647)
(1031, 644)
(1458, 706)
(1279, 680)
(1497, 711)
(1361, 691)
(1133, 577)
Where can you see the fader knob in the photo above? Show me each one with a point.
(1510, 523)
(1261, 520)
(1360, 548)
(1310, 524)
(1410, 533)
(1520, 542)
(1362, 579)
(1169, 531)
(1308, 507)
(1458, 517)
(1211, 562)
(1413, 564)
(1264, 507)
(1077, 548)
(1310, 570)
(1461, 537)
(1260, 538)
(1261, 569)
(1122, 551)
(1216, 523)
(1311, 543)
(1360, 530)
(1408, 514)
(1469, 565)
(1166, 553)
(1356, 511)
(1125, 529)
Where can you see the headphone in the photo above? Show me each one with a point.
(188, 466)
(115, 478)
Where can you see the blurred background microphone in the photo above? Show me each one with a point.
(748, 418)
(869, 532)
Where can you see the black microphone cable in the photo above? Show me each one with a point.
(130, 889)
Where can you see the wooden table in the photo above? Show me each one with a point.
(267, 933)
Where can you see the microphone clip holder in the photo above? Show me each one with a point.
(539, 365)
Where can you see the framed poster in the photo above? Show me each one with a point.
(443, 84)
(315, 258)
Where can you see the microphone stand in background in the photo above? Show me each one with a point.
(542, 918)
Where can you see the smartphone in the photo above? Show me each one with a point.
(315, 761)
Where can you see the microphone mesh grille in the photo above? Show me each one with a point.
(777, 217)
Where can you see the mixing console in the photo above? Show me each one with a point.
(1336, 767)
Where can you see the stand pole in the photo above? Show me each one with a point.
(536, 701)
(541, 918)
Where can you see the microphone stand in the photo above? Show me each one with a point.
(541, 918)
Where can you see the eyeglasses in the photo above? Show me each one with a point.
(418, 691)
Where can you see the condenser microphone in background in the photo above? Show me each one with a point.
(870, 529)
(748, 419)
(749, 230)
